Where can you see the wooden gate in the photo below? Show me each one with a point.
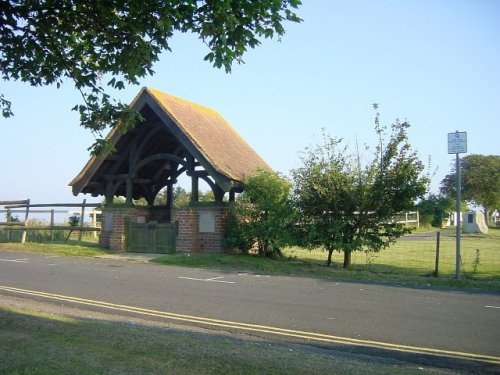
(151, 237)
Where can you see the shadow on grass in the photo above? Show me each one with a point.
(47, 344)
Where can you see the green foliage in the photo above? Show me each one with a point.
(263, 215)
(105, 45)
(480, 181)
(346, 205)
(434, 209)
(74, 220)
(181, 197)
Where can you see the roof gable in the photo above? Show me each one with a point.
(211, 140)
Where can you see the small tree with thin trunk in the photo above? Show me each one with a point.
(345, 204)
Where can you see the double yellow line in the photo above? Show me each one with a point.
(311, 336)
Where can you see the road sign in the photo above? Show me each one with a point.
(457, 143)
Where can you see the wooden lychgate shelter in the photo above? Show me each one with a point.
(176, 137)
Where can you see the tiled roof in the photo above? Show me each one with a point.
(213, 136)
(214, 142)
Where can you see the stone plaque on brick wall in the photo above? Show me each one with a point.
(207, 222)
(108, 221)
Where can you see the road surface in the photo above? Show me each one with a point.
(361, 316)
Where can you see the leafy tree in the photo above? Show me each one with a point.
(182, 198)
(74, 220)
(434, 209)
(262, 215)
(480, 181)
(105, 45)
(346, 205)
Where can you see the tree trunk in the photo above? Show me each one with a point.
(329, 260)
(347, 259)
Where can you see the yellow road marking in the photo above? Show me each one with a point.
(259, 328)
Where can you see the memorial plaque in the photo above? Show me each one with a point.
(207, 222)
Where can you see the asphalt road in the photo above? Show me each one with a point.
(402, 317)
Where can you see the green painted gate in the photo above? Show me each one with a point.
(151, 237)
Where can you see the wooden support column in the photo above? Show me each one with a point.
(132, 162)
(170, 195)
(194, 188)
(232, 195)
(218, 193)
(110, 192)
(128, 192)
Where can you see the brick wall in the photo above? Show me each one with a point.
(190, 238)
(114, 223)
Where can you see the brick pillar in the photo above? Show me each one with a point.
(114, 224)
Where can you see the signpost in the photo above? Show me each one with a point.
(457, 144)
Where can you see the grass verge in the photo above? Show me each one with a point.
(71, 248)
(36, 343)
(317, 268)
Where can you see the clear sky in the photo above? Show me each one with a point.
(435, 63)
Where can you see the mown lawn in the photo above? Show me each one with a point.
(410, 261)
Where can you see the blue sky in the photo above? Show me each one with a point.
(434, 63)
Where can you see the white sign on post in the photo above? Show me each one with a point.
(457, 143)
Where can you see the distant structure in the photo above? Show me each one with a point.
(175, 137)
(474, 222)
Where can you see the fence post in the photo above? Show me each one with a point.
(94, 222)
(82, 218)
(23, 238)
(52, 225)
(436, 268)
(9, 238)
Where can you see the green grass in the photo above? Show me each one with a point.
(38, 344)
(409, 262)
(71, 248)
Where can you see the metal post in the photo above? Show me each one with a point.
(458, 209)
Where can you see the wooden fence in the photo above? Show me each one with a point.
(408, 218)
(25, 207)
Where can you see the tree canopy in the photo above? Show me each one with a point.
(434, 208)
(480, 181)
(105, 45)
(347, 205)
